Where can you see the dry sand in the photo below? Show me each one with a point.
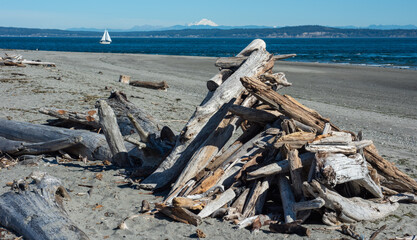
(381, 102)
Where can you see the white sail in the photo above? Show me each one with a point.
(106, 37)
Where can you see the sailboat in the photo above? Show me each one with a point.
(106, 38)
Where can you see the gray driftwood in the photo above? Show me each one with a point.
(205, 119)
(36, 212)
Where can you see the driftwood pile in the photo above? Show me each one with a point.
(287, 162)
(19, 61)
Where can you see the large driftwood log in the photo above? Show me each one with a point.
(20, 148)
(111, 130)
(92, 145)
(37, 212)
(395, 179)
(205, 119)
(350, 209)
(285, 104)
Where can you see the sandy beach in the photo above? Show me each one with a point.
(379, 101)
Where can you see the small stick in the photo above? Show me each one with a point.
(373, 236)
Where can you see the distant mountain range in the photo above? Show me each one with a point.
(212, 31)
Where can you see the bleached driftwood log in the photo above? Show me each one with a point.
(205, 119)
(350, 209)
(333, 169)
(114, 138)
(36, 212)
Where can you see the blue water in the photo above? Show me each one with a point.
(385, 52)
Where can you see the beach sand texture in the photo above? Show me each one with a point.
(379, 101)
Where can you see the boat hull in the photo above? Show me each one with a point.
(103, 42)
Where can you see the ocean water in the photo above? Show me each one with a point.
(382, 52)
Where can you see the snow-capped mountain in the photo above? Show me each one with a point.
(204, 22)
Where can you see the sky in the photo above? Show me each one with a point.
(124, 14)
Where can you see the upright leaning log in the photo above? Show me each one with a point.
(207, 116)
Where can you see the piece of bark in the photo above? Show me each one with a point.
(152, 85)
(333, 169)
(395, 178)
(278, 167)
(114, 138)
(253, 115)
(37, 212)
(350, 209)
(205, 119)
(179, 214)
(217, 203)
(18, 148)
(90, 118)
(218, 79)
(290, 228)
(285, 104)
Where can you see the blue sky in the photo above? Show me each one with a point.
(128, 13)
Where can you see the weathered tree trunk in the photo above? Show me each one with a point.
(92, 145)
(20, 148)
(37, 212)
(114, 138)
(205, 119)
